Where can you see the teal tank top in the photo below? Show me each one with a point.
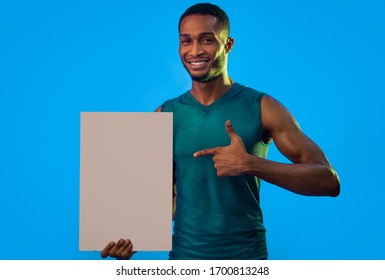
(216, 217)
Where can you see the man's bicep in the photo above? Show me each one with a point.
(299, 148)
(278, 122)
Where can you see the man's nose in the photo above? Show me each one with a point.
(196, 49)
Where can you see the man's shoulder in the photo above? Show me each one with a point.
(168, 105)
(249, 92)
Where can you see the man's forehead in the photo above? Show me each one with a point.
(197, 23)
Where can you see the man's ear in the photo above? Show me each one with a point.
(229, 44)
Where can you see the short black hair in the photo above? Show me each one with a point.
(209, 9)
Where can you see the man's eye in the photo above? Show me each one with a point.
(185, 42)
(207, 40)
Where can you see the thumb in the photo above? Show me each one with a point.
(230, 131)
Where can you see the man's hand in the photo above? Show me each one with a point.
(121, 250)
(229, 160)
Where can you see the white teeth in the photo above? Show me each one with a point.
(198, 62)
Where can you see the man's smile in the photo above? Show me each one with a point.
(197, 64)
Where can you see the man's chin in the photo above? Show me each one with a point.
(203, 79)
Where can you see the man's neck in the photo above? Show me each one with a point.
(208, 92)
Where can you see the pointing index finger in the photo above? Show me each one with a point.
(205, 152)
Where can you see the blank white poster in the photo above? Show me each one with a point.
(126, 180)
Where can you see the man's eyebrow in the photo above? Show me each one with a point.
(200, 34)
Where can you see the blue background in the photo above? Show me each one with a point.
(324, 60)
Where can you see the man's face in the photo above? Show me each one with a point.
(202, 47)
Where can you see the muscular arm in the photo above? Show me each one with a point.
(310, 173)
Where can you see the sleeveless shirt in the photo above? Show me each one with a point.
(216, 217)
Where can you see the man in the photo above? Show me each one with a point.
(221, 134)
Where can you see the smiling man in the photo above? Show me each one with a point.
(222, 130)
(204, 64)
